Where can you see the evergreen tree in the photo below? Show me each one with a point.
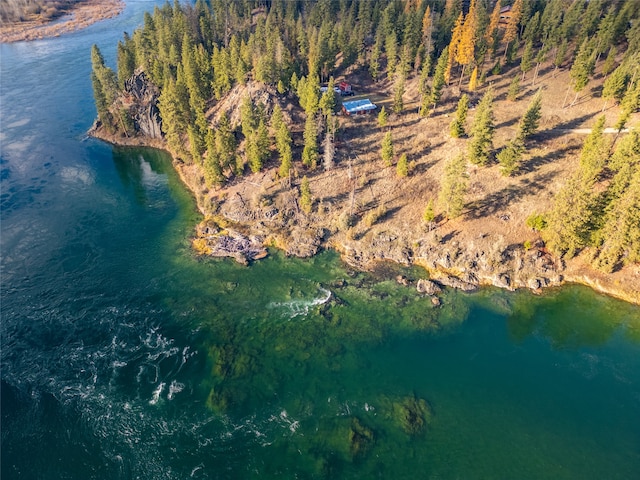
(105, 86)
(283, 144)
(225, 143)
(374, 59)
(582, 68)
(398, 93)
(568, 223)
(510, 157)
(622, 229)
(526, 63)
(482, 131)
(391, 48)
(382, 117)
(306, 201)
(439, 81)
(126, 60)
(514, 89)
(610, 62)
(328, 100)
(454, 187)
(387, 149)
(428, 215)
(531, 118)
(310, 150)
(457, 125)
(402, 168)
(212, 169)
(594, 153)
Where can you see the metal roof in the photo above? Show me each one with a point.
(356, 106)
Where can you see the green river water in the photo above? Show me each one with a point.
(125, 356)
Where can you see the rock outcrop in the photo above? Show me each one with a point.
(140, 98)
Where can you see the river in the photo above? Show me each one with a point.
(124, 356)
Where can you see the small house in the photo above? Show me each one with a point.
(358, 107)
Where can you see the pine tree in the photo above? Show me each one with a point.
(531, 118)
(328, 100)
(454, 187)
(457, 125)
(105, 87)
(391, 47)
(212, 170)
(428, 215)
(439, 79)
(582, 68)
(387, 149)
(510, 157)
(514, 89)
(482, 131)
(306, 201)
(225, 143)
(398, 92)
(283, 144)
(622, 230)
(310, 150)
(374, 59)
(402, 168)
(126, 60)
(610, 62)
(595, 152)
(526, 63)
(568, 223)
(382, 117)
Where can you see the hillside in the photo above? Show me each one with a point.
(370, 212)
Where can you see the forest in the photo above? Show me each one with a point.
(439, 52)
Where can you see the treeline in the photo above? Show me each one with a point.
(196, 53)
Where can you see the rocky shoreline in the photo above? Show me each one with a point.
(241, 230)
(260, 210)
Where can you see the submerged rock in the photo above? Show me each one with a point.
(455, 282)
(428, 287)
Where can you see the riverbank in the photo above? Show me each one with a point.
(367, 212)
(75, 17)
(454, 253)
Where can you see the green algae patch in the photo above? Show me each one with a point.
(410, 413)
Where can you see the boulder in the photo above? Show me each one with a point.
(428, 287)
(455, 282)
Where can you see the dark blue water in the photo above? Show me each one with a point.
(125, 356)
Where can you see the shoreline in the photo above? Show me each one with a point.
(79, 16)
(444, 263)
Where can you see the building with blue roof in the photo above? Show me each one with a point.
(358, 107)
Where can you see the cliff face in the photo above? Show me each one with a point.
(140, 97)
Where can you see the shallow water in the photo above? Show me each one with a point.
(124, 356)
